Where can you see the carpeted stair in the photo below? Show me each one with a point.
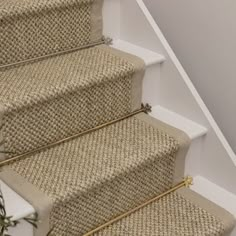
(49, 100)
(97, 176)
(180, 213)
(82, 183)
(31, 29)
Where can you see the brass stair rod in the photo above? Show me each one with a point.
(104, 40)
(185, 183)
(145, 109)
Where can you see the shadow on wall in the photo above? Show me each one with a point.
(203, 35)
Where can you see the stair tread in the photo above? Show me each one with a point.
(31, 29)
(183, 212)
(99, 158)
(47, 78)
(105, 172)
(193, 129)
(74, 92)
(149, 57)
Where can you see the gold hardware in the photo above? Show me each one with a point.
(185, 183)
(188, 181)
(104, 40)
(144, 109)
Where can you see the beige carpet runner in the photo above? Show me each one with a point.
(183, 213)
(31, 29)
(49, 100)
(82, 183)
(97, 176)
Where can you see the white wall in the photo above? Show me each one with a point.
(203, 35)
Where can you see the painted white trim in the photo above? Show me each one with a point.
(215, 193)
(22, 229)
(15, 205)
(192, 129)
(150, 58)
(187, 81)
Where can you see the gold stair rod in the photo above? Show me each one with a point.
(145, 109)
(104, 40)
(187, 182)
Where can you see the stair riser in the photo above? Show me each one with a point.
(39, 29)
(22, 229)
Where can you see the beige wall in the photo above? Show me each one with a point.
(203, 35)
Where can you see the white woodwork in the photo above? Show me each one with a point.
(17, 208)
(176, 101)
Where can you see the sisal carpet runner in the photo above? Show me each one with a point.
(180, 214)
(85, 182)
(49, 100)
(32, 29)
(97, 176)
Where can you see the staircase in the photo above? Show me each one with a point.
(78, 147)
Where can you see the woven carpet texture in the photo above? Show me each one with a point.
(47, 101)
(97, 176)
(85, 182)
(32, 29)
(173, 215)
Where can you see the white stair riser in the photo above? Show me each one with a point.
(22, 229)
(150, 85)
